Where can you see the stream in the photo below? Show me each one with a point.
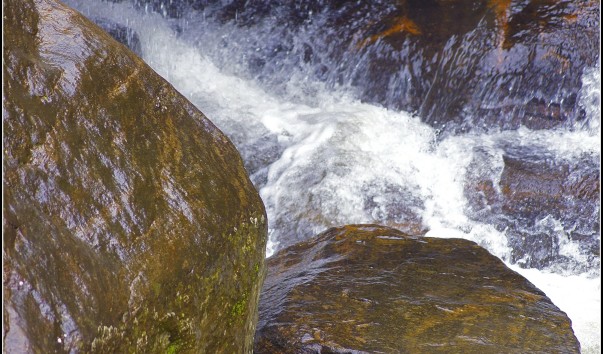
(325, 151)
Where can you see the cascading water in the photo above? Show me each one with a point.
(320, 157)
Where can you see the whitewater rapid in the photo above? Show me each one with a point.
(322, 158)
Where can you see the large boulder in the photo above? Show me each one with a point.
(130, 224)
(368, 288)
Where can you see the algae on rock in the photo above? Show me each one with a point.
(130, 224)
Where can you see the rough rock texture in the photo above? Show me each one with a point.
(368, 288)
(130, 224)
(460, 64)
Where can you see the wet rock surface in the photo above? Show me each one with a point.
(130, 224)
(461, 65)
(548, 208)
(368, 288)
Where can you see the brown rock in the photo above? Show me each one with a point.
(368, 288)
(130, 224)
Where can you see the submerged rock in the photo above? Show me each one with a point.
(548, 207)
(130, 224)
(368, 288)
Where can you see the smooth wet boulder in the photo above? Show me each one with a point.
(130, 224)
(461, 65)
(373, 289)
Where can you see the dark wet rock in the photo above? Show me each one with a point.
(129, 222)
(258, 147)
(259, 156)
(461, 65)
(546, 205)
(373, 289)
(124, 35)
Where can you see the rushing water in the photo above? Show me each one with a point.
(320, 157)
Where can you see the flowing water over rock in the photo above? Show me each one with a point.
(482, 125)
(461, 65)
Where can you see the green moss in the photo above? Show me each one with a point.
(147, 332)
(173, 348)
(256, 270)
(239, 308)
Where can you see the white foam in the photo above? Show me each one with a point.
(590, 100)
(579, 296)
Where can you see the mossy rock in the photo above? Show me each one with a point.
(130, 224)
(369, 288)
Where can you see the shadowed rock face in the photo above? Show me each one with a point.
(130, 224)
(368, 288)
(122, 34)
(461, 65)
